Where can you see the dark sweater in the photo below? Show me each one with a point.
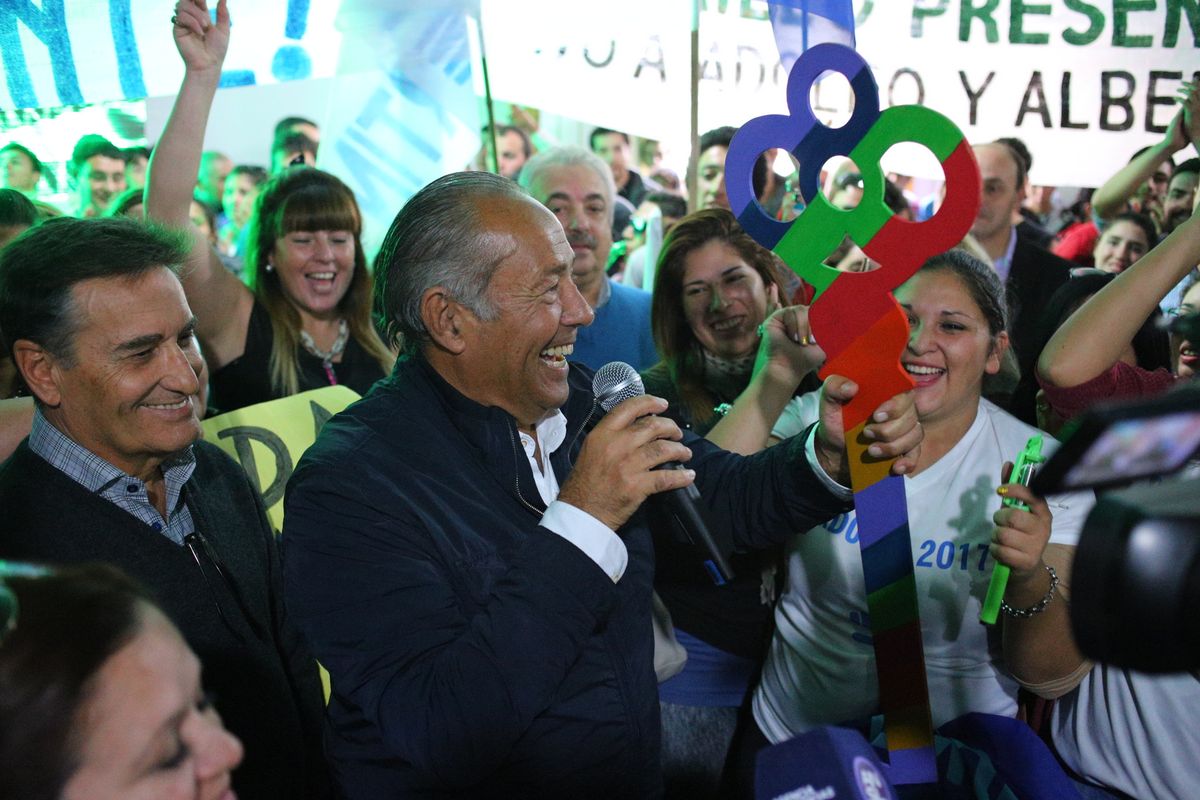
(474, 653)
(1033, 278)
(732, 617)
(264, 683)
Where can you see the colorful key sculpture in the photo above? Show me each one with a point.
(863, 331)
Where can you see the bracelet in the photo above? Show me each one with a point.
(1039, 606)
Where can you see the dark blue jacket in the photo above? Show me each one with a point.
(473, 652)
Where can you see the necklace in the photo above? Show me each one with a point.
(339, 346)
(726, 377)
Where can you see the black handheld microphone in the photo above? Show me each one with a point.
(615, 383)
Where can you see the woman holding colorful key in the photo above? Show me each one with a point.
(821, 666)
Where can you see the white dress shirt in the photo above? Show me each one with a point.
(593, 537)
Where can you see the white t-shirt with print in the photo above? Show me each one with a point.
(821, 665)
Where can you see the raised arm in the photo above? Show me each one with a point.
(787, 353)
(1093, 338)
(1110, 199)
(219, 300)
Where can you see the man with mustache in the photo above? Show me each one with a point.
(577, 187)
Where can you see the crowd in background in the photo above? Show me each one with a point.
(1044, 310)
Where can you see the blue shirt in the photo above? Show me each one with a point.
(124, 491)
(620, 332)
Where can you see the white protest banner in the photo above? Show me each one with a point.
(1083, 83)
(626, 64)
(92, 51)
(622, 63)
(1070, 77)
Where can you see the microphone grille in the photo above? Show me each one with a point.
(616, 382)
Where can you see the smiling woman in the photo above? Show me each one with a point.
(305, 319)
(714, 289)
(100, 697)
(821, 667)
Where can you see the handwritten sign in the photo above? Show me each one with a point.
(268, 439)
(93, 51)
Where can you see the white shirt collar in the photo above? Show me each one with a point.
(550, 432)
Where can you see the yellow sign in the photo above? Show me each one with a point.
(268, 439)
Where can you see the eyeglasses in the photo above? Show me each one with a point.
(8, 600)
(1180, 311)
(197, 544)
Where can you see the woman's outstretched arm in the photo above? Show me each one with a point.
(219, 300)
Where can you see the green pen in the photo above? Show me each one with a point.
(1022, 473)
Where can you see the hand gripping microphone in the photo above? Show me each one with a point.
(615, 383)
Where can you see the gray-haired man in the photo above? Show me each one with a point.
(577, 187)
(470, 561)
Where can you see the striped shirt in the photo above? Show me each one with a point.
(124, 491)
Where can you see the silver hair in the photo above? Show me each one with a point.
(435, 241)
(569, 156)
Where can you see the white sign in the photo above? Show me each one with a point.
(56, 53)
(626, 64)
(1067, 77)
(1070, 77)
(1084, 84)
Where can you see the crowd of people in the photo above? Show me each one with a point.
(481, 558)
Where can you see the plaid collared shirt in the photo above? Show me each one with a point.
(124, 491)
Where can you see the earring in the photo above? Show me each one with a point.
(270, 267)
